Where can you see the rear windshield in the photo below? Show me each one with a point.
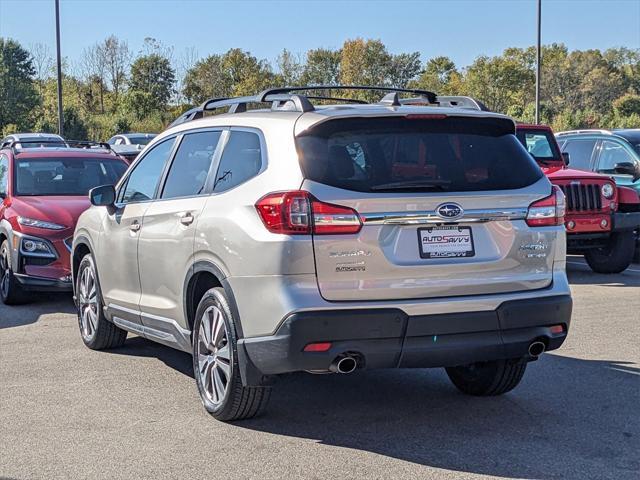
(539, 143)
(140, 139)
(65, 176)
(401, 153)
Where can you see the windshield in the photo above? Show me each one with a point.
(400, 153)
(540, 144)
(65, 176)
(141, 139)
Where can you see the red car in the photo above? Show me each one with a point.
(601, 217)
(43, 192)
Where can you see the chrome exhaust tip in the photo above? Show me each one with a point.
(537, 348)
(344, 364)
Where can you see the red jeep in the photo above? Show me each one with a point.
(43, 191)
(601, 217)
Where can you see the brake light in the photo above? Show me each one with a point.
(547, 212)
(425, 116)
(299, 213)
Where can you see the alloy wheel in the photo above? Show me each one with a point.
(88, 303)
(214, 355)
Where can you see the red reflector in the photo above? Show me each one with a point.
(426, 116)
(557, 329)
(318, 347)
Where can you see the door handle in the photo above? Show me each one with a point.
(186, 219)
(135, 226)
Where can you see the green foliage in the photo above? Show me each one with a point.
(627, 105)
(18, 95)
(154, 78)
(109, 93)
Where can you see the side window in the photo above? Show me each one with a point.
(241, 160)
(4, 175)
(580, 152)
(143, 180)
(191, 164)
(612, 153)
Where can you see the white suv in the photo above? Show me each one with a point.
(405, 233)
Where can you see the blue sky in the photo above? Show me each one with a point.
(461, 29)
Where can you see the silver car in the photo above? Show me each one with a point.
(408, 233)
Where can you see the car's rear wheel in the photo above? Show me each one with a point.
(616, 256)
(11, 293)
(215, 362)
(488, 378)
(97, 332)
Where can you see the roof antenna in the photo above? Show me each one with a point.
(392, 99)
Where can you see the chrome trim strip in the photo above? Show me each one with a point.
(429, 217)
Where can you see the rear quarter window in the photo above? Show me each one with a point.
(452, 154)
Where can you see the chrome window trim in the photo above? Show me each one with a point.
(431, 217)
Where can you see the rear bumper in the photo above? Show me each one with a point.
(388, 338)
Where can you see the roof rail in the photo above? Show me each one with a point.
(285, 98)
(586, 130)
(88, 144)
(14, 145)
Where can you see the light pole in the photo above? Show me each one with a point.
(59, 61)
(538, 64)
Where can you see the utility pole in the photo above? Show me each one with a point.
(537, 63)
(60, 119)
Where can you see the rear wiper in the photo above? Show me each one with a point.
(434, 184)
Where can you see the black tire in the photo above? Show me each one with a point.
(11, 292)
(485, 379)
(238, 402)
(103, 334)
(616, 256)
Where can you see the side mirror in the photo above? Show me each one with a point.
(628, 168)
(565, 157)
(103, 196)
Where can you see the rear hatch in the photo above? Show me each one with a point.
(442, 201)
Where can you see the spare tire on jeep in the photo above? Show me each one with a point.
(616, 256)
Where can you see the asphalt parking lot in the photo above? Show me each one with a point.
(68, 412)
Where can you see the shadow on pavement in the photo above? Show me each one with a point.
(38, 304)
(141, 347)
(581, 274)
(570, 418)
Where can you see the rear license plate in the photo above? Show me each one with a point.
(445, 242)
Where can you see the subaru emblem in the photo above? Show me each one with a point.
(449, 211)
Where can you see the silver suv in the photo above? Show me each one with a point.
(329, 238)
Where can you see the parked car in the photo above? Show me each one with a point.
(601, 217)
(610, 152)
(129, 145)
(328, 239)
(42, 193)
(33, 140)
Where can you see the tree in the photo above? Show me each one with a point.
(116, 57)
(499, 82)
(154, 76)
(18, 96)
(93, 68)
(235, 73)
(290, 69)
(322, 67)
(404, 68)
(439, 75)
(365, 62)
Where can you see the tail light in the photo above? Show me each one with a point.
(547, 212)
(299, 213)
